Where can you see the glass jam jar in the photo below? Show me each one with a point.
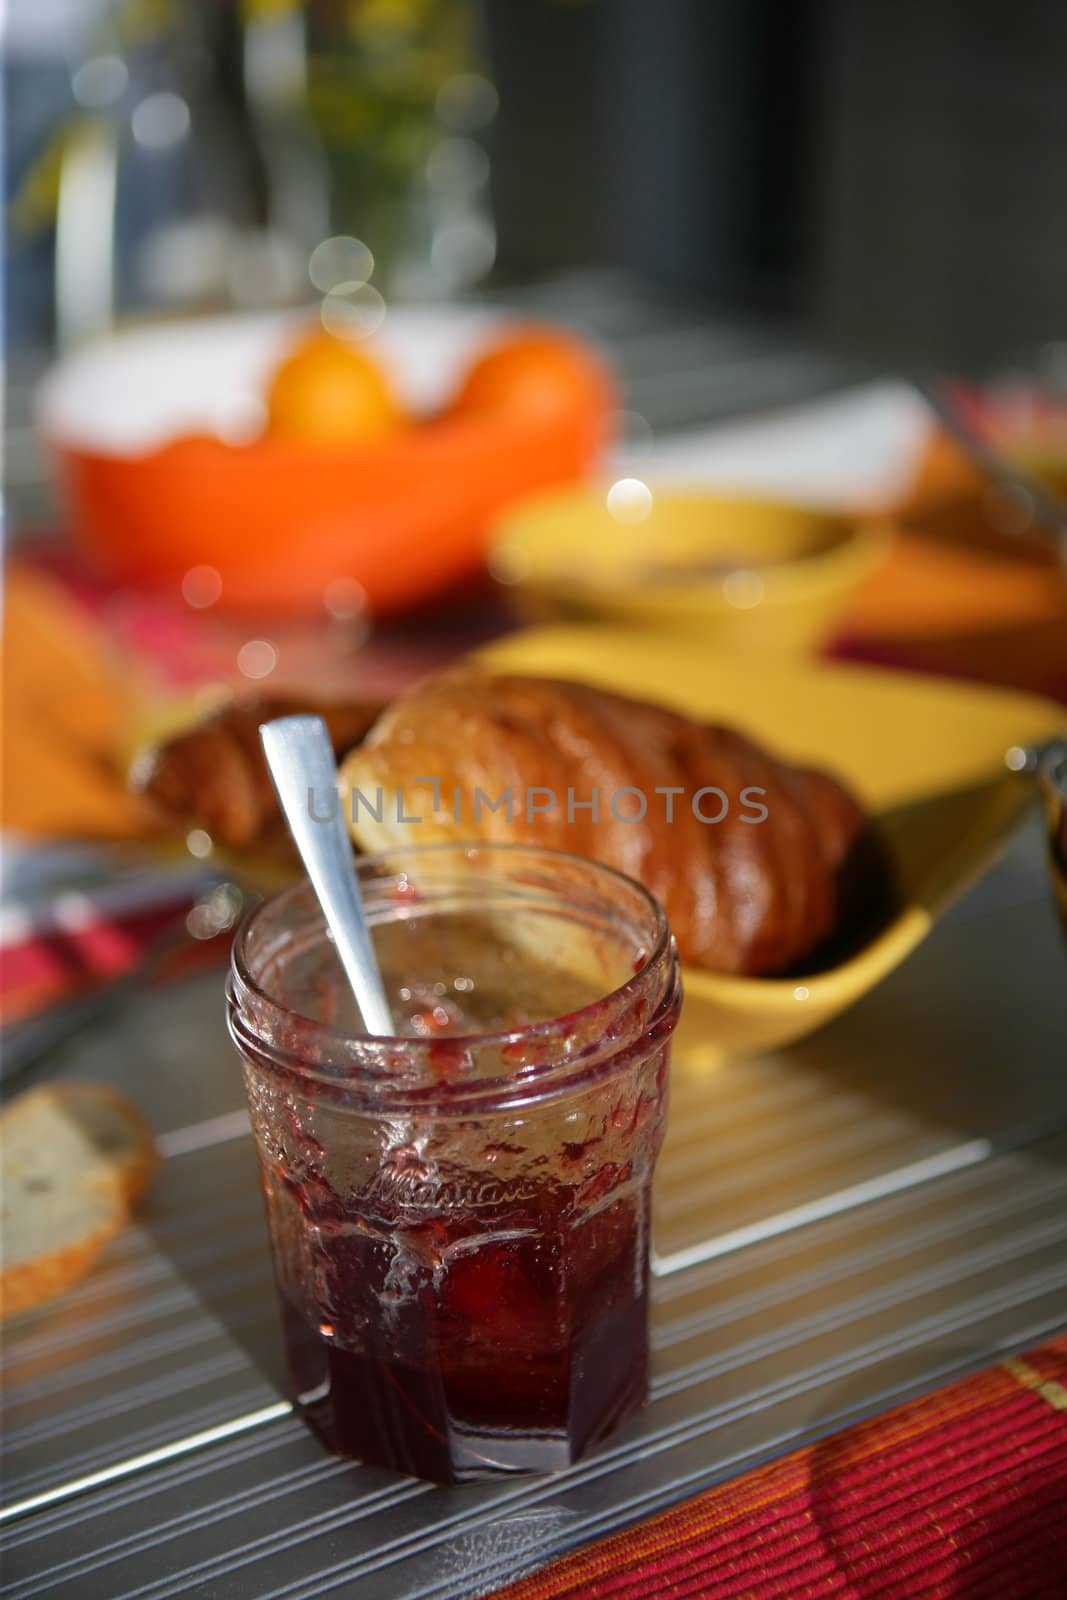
(459, 1215)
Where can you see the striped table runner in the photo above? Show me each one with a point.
(960, 1494)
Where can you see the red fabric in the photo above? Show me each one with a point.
(960, 1494)
(1031, 657)
(53, 964)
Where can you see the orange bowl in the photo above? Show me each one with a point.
(138, 429)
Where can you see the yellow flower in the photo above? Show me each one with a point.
(370, 17)
(268, 10)
(32, 207)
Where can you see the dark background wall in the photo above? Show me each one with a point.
(896, 172)
(941, 220)
(673, 138)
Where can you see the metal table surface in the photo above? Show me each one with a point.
(840, 1225)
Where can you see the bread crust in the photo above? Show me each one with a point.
(32, 1283)
(214, 776)
(742, 896)
(123, 1177)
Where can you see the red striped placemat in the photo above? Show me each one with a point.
(960, 1494)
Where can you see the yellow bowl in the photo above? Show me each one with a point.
(736, 571)
(926, 755)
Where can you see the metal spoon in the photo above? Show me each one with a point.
(301, 761)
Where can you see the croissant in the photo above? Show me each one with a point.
(214, 776)
(756, 862)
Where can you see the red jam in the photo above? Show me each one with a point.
(448, 1353)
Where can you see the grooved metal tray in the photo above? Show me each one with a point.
(840, 1225)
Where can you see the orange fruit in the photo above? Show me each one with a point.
(537, 373)
(333, 391)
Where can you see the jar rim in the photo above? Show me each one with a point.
(245, 987)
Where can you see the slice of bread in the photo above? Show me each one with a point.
(75, 1157)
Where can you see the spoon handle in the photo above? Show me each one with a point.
(301, 762)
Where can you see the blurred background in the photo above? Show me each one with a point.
(342, 337)
(305, 300)
(889, 176)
